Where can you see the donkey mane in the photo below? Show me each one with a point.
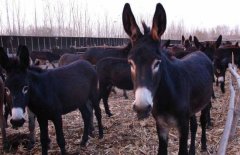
(146, 28)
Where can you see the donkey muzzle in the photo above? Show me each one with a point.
(17, 123)
(142, 113)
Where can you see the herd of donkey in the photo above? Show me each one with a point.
(172, 82)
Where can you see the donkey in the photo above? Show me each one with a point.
(50, 94)
(112, 72)
(209, 48)
(68, 58)
(167, 87)
(95, 54)
(44, 55)
(7, 103)
(187, 43)
(183, 49)
(2, 119)
(222, 57)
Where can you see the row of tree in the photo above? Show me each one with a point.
(57, 20)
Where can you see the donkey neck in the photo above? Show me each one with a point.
(173, 76)
(37, 82)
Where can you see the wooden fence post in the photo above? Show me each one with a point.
(226, 133)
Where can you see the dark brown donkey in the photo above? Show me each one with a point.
(112, 72)
(52, 93)
(7, 102)
(173, 89)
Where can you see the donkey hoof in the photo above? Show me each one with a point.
(109, 114)
(6, 146)
(100, 137)
(30, 146)
(83, 144)
(91, 135)
(204, 149)
(191, 152)
(209, 126)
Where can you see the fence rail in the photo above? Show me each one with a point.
(38, 43)
(233, 111)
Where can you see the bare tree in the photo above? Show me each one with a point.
(60, 18)
(8, 18)
(35, 18)
(106, 25)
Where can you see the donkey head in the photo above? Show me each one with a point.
(208, 48)
(16, 82)
(187, 42)
(145, 58)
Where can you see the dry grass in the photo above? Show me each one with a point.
(124, 134)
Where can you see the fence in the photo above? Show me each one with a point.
(38, 43)
(233, 111)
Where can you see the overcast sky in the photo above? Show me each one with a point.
(194, 13)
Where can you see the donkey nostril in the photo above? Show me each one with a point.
(17, 123)
(149, 108)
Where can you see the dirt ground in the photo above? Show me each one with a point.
(123, 133)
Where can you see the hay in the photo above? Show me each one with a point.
(124, 134)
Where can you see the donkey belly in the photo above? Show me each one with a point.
(125, 85)
(201, 100)
(74, 101)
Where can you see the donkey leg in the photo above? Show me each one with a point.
(90, 108)
(213, 95)
(98, 116)
(183, 130)
(125, 94)
(2, 120)
(3, 129)
(59, 133)
(193, 128)
(222, 85)
(217, 83)
(7, 111)
(203, 121)
(86, 114)
(43, 124)
(31, 127)
(208, 111)
(163, 139)
(105, 96)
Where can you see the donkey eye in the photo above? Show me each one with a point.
(130, 63)
(157, 63)
(25, 90)
(7, 91)
(155, 66)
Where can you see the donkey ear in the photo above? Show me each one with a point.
(166, 44)
(4, 60)
(190, 38)
(219, 41)
(183, 39)
(236, 44)
(197, 43)
(129, 24)
(19, 49)
(24, 57)
(159, 22)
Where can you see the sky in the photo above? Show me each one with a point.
(193, 13)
